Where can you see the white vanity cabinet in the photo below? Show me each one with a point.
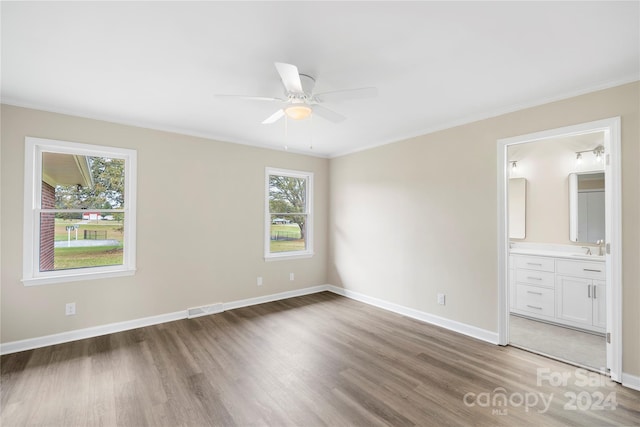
(581, 294)
(574, 300)
(534, 287)
(600, 305)
(559, 290)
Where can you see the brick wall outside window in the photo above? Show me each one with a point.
(47, 228)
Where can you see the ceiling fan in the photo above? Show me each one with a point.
(300, 102)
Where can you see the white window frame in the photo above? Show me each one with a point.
(34, 147)
(308, 252)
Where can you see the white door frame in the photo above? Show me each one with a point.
(613, 219)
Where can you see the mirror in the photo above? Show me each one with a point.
(586, 207)
(517, 208)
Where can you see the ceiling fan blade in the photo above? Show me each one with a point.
(339, 95)
(274, 117)
(325, 113)
(251, 98)
(290, 77)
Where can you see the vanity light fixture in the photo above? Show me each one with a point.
(598, 152)
(514, 166)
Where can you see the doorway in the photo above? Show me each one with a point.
(547, 274)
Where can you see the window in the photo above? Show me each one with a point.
(79, 211)
(288, 218)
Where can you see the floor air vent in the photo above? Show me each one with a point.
(205, 310)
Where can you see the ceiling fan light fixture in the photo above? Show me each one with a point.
(298, 112)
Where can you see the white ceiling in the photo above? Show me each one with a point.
(435, 64)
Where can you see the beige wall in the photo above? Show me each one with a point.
(200, 227)
(406, 220)
(418, 217)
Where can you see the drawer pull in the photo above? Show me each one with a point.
(535, 293)
(534, 263)
(534, 278)
(589, 291)
(533, 306)
(594, 271)
(594, 292)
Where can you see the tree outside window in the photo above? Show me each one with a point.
(89, 220)
(288, 213)
(79, 211)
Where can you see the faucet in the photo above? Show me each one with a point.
(600, 247)
(588, 250)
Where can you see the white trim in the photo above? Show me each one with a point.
(205, 310)
(452, 325)
(503, 245)
(70, 275)
(631, 381)
(285, 256)
(612, 140)
(628, 380)
(230, 140)
(111, 328)
(96, 331)
(274, 297)
(613, 200)
(224, 139)
(489, 114)
(32, 343)
(31, 274)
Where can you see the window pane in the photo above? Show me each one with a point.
(83, 182)
(287, 194)
(288, 233)
(80, 240)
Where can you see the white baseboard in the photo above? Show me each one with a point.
(628, 380)
(631, 381)
(274, 297)
(462, 328)
(96, 331)
(79, 334)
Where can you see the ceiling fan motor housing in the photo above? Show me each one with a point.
(308, 83)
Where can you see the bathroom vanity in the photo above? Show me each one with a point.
(559, 287)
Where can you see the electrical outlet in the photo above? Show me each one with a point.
(441, 299)
(70, 309)
(259, 281)
(292, 277)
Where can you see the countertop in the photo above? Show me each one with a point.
(557, 254)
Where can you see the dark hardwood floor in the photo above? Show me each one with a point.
(316, 360)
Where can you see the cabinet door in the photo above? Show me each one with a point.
(599, 304)
(573, 299)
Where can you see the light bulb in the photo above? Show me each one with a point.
(579, 158)
(598, 152)
(298, 112)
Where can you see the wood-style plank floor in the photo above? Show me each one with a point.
(317, 360)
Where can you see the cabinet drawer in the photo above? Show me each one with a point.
(536, 263)
(535, 277)
(535, 300)
(591, 270)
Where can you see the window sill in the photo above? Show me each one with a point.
(64, 278)
(287, 256)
